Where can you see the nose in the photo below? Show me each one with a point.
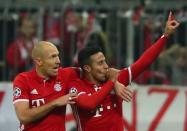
(57, 60)
(106, 65)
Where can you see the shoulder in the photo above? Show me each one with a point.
(22, 77)
(70, 72)
(76, 86)
(66, 70)
(76, 82)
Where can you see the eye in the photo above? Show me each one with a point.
(101, 62)
(54, 55)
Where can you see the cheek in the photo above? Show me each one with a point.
(48, 64)
(97, 73)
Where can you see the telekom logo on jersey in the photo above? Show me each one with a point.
(37, 102)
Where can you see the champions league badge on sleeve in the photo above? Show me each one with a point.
(73, 90)
(17, 92)
(57, 87)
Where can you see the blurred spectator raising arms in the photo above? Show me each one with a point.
(19, 51)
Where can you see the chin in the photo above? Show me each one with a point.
(103, 79)
(54, 74)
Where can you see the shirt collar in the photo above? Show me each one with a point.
(39, 78)
(90, 83)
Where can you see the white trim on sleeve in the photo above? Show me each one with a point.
(19, 100)
(81, 93)
(130, 75)
(162, 36)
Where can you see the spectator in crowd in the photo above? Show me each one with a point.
(91, 34)
(93, 111)
(173, 62)
(80, 29)
(71, 20)
(19, 51)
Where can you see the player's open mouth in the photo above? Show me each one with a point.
(55, 68)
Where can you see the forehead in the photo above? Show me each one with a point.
(97, 57)
(50, 50)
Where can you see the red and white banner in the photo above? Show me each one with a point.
(8, 119)
(154, 108)
(157, 108)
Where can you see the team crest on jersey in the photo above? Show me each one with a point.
(73, 90)
(17, 92)
(57, 87)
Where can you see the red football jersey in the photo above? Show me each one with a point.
(108, 115)
(28, 86)
(105, 117)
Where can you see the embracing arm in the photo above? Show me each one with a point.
(91, 101)
(27, 115)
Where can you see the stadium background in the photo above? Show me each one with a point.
(123, 23)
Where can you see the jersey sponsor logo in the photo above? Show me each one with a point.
(96, 88)
(73, 90)
(17, 92)
(38, 102)
(57, 87)
(34, 92)
(97, 114)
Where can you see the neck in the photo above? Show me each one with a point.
(41, 73)
(90, 78)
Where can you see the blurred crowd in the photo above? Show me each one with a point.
(74, 29)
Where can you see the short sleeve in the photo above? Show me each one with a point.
(76, 86)
(75, 73)
(20, 89)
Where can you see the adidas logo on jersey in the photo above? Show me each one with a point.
(34, 92)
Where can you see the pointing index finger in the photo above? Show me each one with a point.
(170, 17)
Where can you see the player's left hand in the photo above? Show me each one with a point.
(171, 25)
(123, 92)
(112, 74)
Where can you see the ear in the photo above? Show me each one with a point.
(87, 68)
(38, 61)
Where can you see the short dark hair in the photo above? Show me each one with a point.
(85, 53)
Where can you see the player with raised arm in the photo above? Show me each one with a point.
(97, 107)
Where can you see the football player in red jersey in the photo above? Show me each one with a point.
(40, 95)
(96, 109)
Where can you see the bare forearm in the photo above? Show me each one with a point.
(29, 115)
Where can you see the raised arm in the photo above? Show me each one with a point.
(149, 56)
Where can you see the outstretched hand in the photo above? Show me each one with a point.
(66, 99)
(171, 25)
(123, 92)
